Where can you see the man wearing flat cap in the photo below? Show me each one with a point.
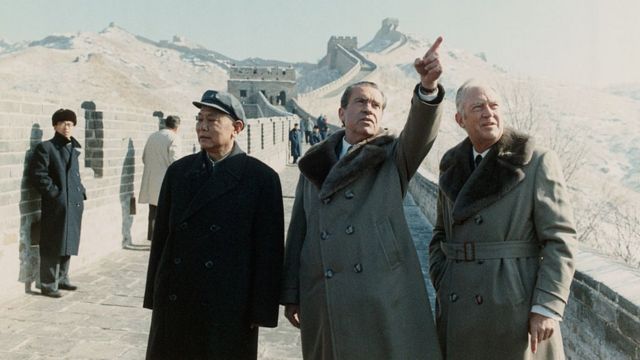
(217, 249)
(55, 173)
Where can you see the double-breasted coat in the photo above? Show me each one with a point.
(350, 261)
(501, 244)
(55, 173)
(216, 258)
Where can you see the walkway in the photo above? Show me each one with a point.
(104, 318)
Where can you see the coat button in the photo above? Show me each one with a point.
(453, 297)
(324, 235)
(78, 205)
(349, 194)
(78, 188)
(349, 230)
(479, 299)
(173, 297)
(208, 264)
(328, 274)
(357, 268)
(326, 200)
(478, 219)
(214, 228)
(177, 261)
(183, 226)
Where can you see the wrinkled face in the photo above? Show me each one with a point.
(363, 113)
(481, 117)
(64, 128)
(216, 130)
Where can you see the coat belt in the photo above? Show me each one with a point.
(471, 250)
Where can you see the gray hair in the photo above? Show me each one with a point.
(463, 90)
(344, 100)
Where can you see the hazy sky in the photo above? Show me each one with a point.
(593, 42)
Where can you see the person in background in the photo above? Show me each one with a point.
(55, 172)
(315, 136)
(162, 149)
(294, 140)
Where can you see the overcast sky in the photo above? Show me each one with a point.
(593, 42)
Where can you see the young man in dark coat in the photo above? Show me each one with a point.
(55, 172)
(217, 249)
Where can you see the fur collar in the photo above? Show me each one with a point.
(321, 167)
(499, 173)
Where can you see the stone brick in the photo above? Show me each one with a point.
(619, 345)
(629, 325)
(9, 107)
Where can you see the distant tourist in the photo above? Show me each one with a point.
(307, 125)
(315, 136)
(294, 141)
(500, 256)
(55, 172)
(352, 281)
(162, 148)
(322, 124)
(216, 255)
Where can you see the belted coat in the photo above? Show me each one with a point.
(54, 171)
(350, 261)
(501, 244)
(216, 258)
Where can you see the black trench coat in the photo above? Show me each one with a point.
(63, 195)
(216, 258)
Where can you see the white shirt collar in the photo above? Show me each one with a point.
(483, 154)
(345, 147)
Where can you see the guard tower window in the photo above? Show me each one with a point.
(243, 93)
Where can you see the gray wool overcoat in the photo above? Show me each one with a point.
(350, 262)
(55, 173)
(501, 244)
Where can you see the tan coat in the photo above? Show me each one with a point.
(350, 261)
(162, 148)
(516, 199)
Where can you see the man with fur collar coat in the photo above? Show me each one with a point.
(500, 257)
(352, 280)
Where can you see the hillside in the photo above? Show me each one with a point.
(595, 131)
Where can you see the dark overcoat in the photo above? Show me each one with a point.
(216, 258)
(55, 172)
(351, 263)
(294, 138)
(501, 244)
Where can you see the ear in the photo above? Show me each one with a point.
(341, 115)
(459, 120)
(238, 126)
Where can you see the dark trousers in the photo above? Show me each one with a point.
(54, 270)
(152, 221)
(307, 136)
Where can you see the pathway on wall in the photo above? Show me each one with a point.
(104, 319)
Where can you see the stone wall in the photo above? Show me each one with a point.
(347, 76)
(602, 317)
(112, 140)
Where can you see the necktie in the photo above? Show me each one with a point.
(478, 160)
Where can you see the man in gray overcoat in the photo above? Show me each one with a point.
(216, 256)
(500, 257)
(352, 281)
(55, 173)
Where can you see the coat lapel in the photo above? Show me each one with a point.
(501, 171)
(210, 182)
(321, 166)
